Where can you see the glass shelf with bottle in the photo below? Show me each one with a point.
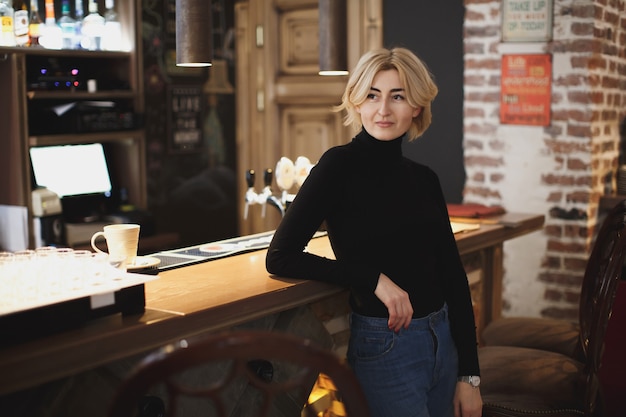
(64, 25)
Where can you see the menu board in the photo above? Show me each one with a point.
(526, 87)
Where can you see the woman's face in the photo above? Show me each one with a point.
(386, 114)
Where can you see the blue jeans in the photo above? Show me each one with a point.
(411, 373)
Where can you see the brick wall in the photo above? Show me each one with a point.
(560, 170)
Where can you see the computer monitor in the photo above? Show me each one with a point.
(77, 173)
(71, 170)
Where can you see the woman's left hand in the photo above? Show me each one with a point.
(467, 401)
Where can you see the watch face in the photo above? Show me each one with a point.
(474, 381)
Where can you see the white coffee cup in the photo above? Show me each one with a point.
(121, 240)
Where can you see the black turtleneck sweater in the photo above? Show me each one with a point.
(383, 213)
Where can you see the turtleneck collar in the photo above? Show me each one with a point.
(383, 151)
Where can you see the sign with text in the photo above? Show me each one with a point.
(185, 121)
(526, 20)
(526, 89)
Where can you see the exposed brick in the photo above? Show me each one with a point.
(576, 164)
(570, 80)
(610, 82)
(482, 129)
(566, 247)
(555, 197)
(483, 97)
(553, 230)
(474, 80)
(478, 177)
(553, 295)
(473, 112)
(469, 144)
(485, 63)
(579, 131)
(481, 31)
(495, 178)
(472, 15)
(579, 97)
(485, 161)
(572, 297)
(582, 29)
(575, 231)
(567, 147)
(575, 264)
(582, 10)
(568, 279)
(561, 180)
(552, 262)
(482, 192)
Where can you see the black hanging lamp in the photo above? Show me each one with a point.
(193, 33)
(333, 37)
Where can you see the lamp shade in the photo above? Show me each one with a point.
(193, 33)
(332, 37)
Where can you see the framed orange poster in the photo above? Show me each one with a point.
(526, 89)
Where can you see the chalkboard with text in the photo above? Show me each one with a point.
(185, 118)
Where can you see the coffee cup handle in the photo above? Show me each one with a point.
(93, 241)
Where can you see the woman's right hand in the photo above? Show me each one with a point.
(397, 302)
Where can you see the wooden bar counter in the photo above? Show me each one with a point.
(218, 295)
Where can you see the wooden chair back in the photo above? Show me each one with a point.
(250, 356)
(602, 275)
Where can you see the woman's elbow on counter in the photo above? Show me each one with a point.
(273, 263)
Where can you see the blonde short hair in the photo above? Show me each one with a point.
(415, 77)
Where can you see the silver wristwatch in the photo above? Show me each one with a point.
(473, 380)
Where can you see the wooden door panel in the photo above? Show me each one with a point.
(309, 131)
(298, 40)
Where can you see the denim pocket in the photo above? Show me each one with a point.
(372, 345)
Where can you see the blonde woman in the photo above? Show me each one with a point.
(413, 341)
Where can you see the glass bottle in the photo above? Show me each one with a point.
(51, 36)
(112, 39)
(7, 31)
(34, 25)
(79, 15)
(67, 25)
(93, 27)
(20, 23)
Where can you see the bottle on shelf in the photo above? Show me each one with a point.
(112, 38)
(68, 26)
(79, 15)
(20, 23)
(7, 31)
(35, 24)
(51, 36)
(93, 27)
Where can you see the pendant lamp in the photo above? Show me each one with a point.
(333, 37)
(193, 33)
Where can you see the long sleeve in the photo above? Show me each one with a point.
(383, 213)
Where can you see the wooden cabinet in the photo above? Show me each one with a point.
(24, 102)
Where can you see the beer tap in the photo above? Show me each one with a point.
(263, 198)
(268, 195)
(251, 195)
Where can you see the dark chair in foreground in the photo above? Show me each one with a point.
(274, 371)
(522, 381)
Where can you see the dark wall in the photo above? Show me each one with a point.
(434, 31)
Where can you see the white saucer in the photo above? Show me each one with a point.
(142, 262)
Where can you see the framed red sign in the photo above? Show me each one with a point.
(526, 89)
